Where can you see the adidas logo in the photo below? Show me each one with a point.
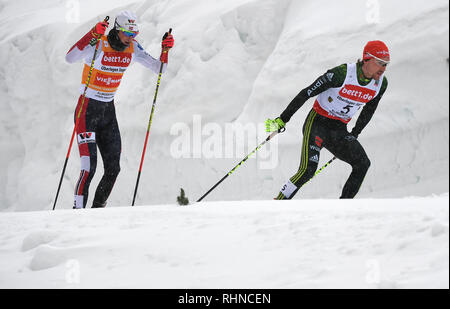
(330, 76)
(314, 158)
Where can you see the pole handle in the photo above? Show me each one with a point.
(167, 33)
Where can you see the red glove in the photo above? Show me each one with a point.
(167, 41)
(167, 44)
(100, 29)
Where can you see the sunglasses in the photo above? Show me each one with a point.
(380, 62)
(128, 33)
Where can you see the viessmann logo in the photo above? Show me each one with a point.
(106, 80)
(357, 93)
(86, 137)
(116, 59)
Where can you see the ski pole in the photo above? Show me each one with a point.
(148, 130)
(321, 169)
(240, 163)
(78, 118)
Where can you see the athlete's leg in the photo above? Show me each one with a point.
(109, 144)
(348, 149)
(88, 150)
(311, 146)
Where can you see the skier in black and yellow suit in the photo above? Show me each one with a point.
(341, 91)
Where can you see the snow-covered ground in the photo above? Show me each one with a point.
(235, 62)
(366, 243)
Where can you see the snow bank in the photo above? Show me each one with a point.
(366, 243)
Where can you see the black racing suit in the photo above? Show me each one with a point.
(320, 131)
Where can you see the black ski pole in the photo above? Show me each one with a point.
(148, 131)
(322, 168)
(78, 119)
(240, 163)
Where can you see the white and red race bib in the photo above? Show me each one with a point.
(343, 102)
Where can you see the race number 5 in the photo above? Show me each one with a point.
(347, 109)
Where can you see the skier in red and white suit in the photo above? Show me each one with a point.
(98, 124)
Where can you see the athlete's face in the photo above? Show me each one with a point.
(374, 68)
(125, 39)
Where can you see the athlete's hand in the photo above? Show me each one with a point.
(166, 45)
(167, 41)
(100, 28)
(273, 125)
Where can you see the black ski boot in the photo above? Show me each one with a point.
(98, 205)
